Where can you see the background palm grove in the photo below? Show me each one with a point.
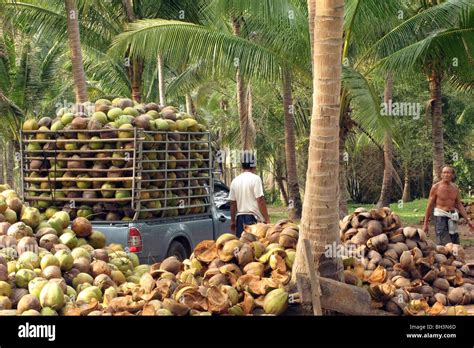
(244, 68)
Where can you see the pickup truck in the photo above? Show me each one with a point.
(154, 240)
(173, 201)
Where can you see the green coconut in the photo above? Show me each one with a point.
(82, 278)
(109, 294)
(100, 116)
(11, 265)
(80, 252)
(30, 125)
(10, 216)
(50, 212)
(71, 292)
(82, 286)
(114, 113)
(65, 259)
(52, 296)
(68, 239)
(48, 312)
(49, 260)
(36, 285)
(67, 118)
(141, 269)
(134, 258)
(3, 205)
(96, 240)
(5, 289)
(81, 242)
(24, 265)
(55, 223)
(123, 264)
(88, 294)
(31, 257)
(63, 217)
(30, 216)
(23, 277)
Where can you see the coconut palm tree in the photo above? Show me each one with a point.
(28, 73)
(294, 198)
(74, 38)
(99, 23)
(384, 199)
(241, 68)
(436, 40)
(319, 223)
(360, 108)
(284, 46)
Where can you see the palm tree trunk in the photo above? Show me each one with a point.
(190, 109)
(406, 197)
(384, 199)
(137, 63)
(311, 14)
(245, 122)
(74, 39)
(243, 112)
(346, 124)
(422, 184)
(2, 162)
(128, 4)
(10, 156)
(279, 179)
(343, 193)
(161, 80)
(137, 73)
(244, 117)
(320, 220)
(437, 124)
(250, 131)
(294, 212)
(281, 186)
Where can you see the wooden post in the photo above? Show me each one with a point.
(315, 287)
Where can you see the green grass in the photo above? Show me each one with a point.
(277, 212)
(410, 213)
(467, 242)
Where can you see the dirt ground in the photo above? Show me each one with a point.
(467, 240)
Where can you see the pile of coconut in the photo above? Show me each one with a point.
(57, 266)
(404, 271)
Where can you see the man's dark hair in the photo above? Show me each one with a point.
(248, 160)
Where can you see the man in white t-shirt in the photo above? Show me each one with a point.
(247, 202)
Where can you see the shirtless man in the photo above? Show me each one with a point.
(446, 199)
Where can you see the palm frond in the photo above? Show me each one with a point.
(48, 19)
(382, 16)
(223, 51)
(365, 103)
(442, 45)
(439, 17)
(189, 80)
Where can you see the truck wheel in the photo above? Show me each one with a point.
(177, 249)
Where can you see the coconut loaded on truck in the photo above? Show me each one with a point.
(141, 173)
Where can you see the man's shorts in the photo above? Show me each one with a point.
(442, 231)
(247, 219)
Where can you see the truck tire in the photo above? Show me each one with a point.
(177, 249)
